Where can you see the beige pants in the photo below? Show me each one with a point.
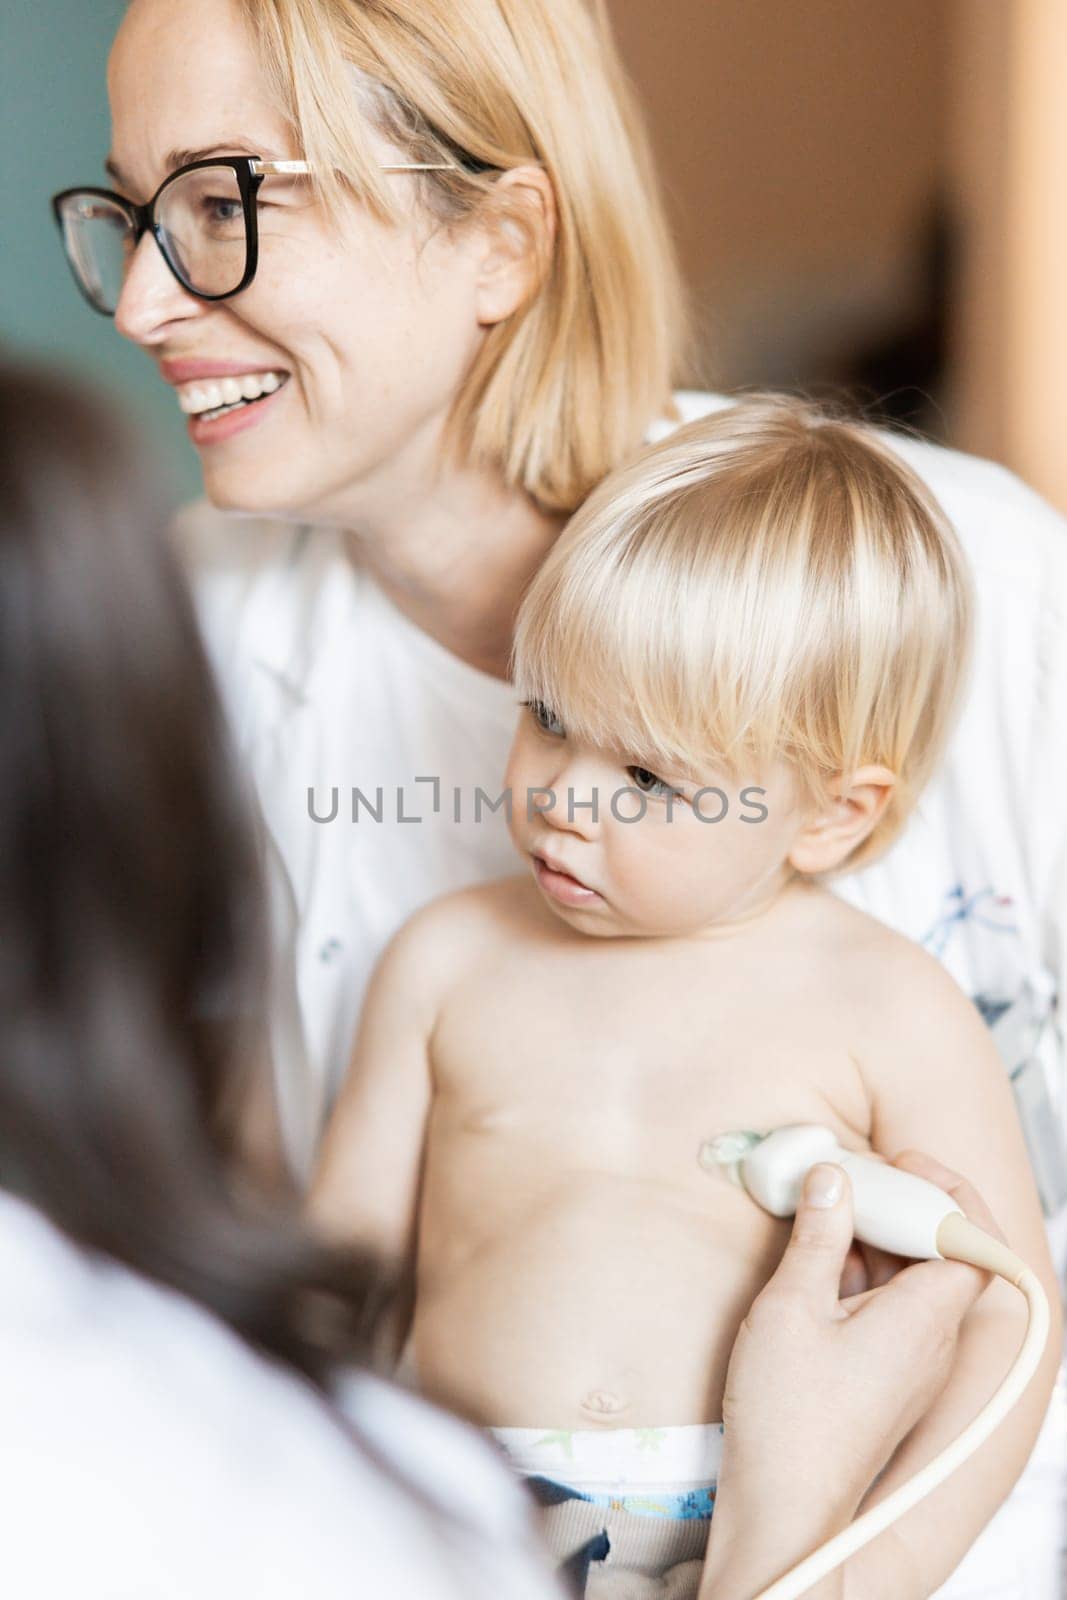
(651, 1558)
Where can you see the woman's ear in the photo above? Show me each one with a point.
(518, 230)
(836, 828)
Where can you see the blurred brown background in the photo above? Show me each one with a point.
(874, 195)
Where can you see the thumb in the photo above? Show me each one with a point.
(822, 1232)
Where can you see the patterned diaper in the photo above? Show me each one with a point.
(648, 1472)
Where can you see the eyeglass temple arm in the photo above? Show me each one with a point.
(267, 169)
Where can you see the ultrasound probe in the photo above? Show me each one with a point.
(907, 1216)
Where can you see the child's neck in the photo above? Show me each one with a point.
(765, 899)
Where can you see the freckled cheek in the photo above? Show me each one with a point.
(267, 310)
(358, 318)
(323, 308)
(288, 320)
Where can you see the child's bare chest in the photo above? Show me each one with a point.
(631, 1059)
(569, 1214)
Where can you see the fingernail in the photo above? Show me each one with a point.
(822, 1186)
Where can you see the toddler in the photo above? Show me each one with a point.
(737, 669)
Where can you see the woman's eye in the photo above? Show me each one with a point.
(648, 783)
(221, 209)
(545, 717)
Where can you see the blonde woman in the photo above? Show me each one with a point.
(405, 363)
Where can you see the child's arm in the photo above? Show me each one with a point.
(365, 1190)
(937, 1083)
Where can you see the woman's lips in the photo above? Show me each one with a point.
(224, 427)
(184, 371)
(560, 886)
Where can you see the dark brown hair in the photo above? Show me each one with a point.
(131, 937)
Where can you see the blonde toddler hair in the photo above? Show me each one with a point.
(769, 583)
(565, 388)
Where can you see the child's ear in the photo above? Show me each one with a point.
(836, 828)
(517, 238)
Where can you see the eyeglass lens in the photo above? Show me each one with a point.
(200, 226)
(99, 239)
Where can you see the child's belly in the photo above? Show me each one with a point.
(585, 1297)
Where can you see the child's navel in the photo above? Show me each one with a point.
(603, 1403)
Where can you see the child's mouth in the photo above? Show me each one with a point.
(561, 886)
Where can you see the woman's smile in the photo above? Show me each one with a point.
(219, 408)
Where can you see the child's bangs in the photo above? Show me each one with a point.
(634, 656)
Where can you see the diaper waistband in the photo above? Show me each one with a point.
(680, 1456)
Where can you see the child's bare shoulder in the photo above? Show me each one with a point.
(876, 955)
(448, 936)
(898, 990)
(919, 1042)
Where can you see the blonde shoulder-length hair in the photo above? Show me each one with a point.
(563, 390)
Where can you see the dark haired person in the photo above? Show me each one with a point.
(173, 1350)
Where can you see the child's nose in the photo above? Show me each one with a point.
(578, 787)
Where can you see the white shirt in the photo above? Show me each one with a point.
(330, 686)
(147, 1454)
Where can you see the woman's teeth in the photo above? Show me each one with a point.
(208, 398)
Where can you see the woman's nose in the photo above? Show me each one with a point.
(152, 299)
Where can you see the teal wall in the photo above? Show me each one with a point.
(54, 128)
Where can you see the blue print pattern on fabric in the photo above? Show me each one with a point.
(985, 907)
(986, 910)
(692, 1505)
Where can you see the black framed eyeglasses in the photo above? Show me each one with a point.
(203, 218)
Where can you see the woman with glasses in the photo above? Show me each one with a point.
(406, 269)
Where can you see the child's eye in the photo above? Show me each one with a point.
(648, 783)
(545, 717)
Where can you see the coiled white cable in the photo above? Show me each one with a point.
(957, 1240)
